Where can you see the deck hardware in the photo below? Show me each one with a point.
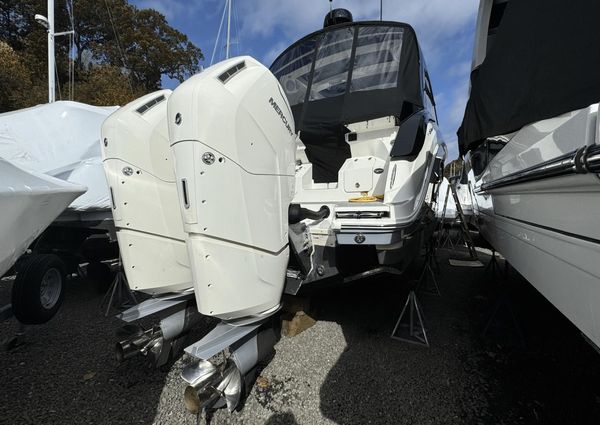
(208, 158)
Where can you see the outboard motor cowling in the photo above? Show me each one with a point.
(233, 139)
(139, 171)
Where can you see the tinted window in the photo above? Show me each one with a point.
(333, 62)
(481, 157)
(479, 160)
(293, 70)
(429, 100)
(377, 58)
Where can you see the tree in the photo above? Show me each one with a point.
(120, 51)
(453, 168)
(15, 81)
(106, 85)
(140, 41)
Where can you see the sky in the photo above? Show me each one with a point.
(264, 28)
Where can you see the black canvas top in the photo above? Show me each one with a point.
(349, 73)
(545, 61)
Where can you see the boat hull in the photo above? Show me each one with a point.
(538, 208)
(29, 203)
(563, 268)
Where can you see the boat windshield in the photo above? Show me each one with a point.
(375, 65)
(329, 75)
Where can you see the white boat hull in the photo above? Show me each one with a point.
(547, 226)
(566, 270)
(29, 203)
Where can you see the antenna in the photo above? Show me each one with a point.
(330, 8)
(381, 10)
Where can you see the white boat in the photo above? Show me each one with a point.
(351, 185)
(363, 104)
(61, 141)
(531, 130)
(29, 203)
(317, 169)
(139, 169)
(369, 148)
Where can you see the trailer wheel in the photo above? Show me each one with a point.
(39, 289)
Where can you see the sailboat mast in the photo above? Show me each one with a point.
(51, 76)
(228, 28)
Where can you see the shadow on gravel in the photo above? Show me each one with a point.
(66, 373)
(464, 377)
(282, 419)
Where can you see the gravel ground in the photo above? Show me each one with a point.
(344, 370)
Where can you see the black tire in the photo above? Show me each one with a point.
(100, 276)
(28, 304)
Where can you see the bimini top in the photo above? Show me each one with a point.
(544, 62)
(351, 72)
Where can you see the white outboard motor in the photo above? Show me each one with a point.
(139, 170)
(232, 135)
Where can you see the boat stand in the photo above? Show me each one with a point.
(493, 266)
(431, 254)
(504, 304)
(446, 238)
(410, 326)
(427, 275)
(119, 295)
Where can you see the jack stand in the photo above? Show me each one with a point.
(427, 275)
(121, 295)
(446, 239)
(81, 272)
(492, 266)
(504, 301)
(431, 255)
(414, 328)
(432, 288)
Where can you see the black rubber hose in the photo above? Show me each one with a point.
(296, 213)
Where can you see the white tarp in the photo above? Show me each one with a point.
(29, 202)
(60, 139)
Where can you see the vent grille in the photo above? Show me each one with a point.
(235, 69)
(361, 214)
(150, 104)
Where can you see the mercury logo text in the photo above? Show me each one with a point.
(280, 113)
